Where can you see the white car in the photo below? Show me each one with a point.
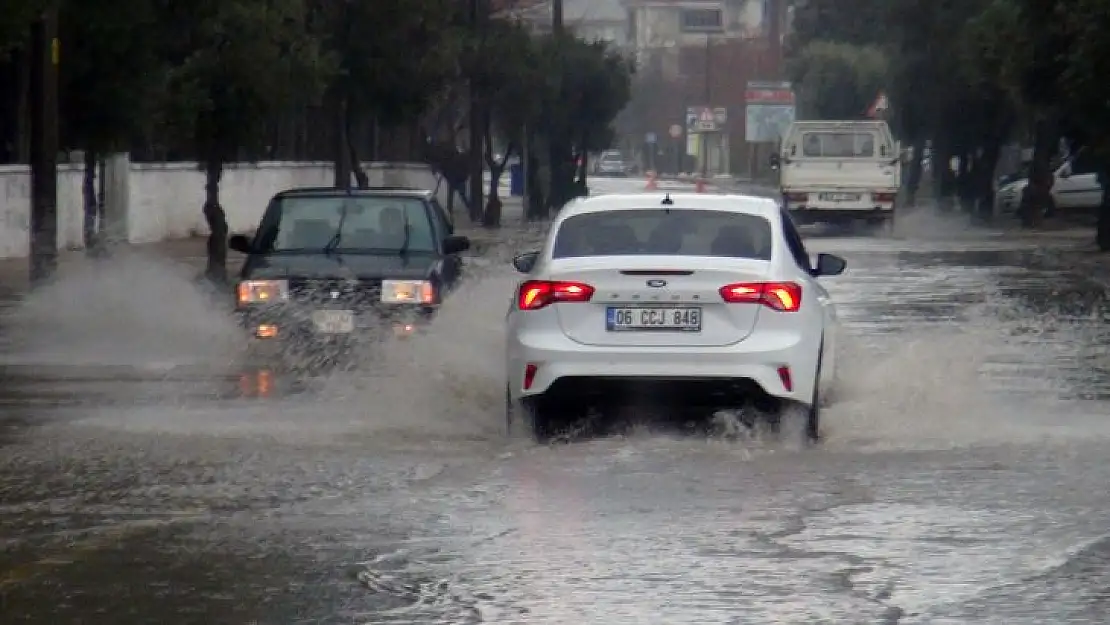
(710, 299)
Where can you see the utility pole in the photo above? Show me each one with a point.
(478, 16)
(557, 17)
(703, 138)
(44, 55)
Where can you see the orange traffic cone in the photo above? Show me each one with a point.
(651, 184)
(699, 186)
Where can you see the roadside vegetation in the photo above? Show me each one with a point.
(222, 81)
(966, 78)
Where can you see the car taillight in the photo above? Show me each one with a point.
(535, 294)
(883, 197)
(781, 296)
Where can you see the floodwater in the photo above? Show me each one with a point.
(150, 472)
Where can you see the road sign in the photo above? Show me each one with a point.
(769, 111)
(705, 119)
(650, 137)
(675, 131)
(880, 106)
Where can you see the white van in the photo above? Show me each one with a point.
(839, 171)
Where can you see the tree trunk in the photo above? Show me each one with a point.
(23, 119)
(102, 173)
(913, 177)
(1102, 231)
(342, 153)
(985, 167)
(216, 270)
(89, 199)
(1037, 197)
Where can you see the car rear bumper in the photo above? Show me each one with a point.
(809, 214)
(751, 367)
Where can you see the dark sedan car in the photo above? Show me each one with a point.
(330, 265)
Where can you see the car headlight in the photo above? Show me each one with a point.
(262, 291)
(408, 292)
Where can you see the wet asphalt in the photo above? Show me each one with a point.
(153, 471)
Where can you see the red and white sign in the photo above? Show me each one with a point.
(879, 106)
(759, 92)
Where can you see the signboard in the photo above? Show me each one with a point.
(769, 111)
(879, 107)
(701, 119)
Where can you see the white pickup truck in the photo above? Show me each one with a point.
(839, 172)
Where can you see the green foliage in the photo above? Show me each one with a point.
(838, 80)
(394, 56)
(16, 17)
(587, 85)
(233, 65)
(108, 71)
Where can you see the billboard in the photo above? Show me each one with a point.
(769, 111)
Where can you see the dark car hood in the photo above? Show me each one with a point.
(412, 266)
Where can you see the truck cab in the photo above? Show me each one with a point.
(839, 172)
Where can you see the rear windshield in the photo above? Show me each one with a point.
(664, 233)
(838, 144)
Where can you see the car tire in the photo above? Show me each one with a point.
(531, 414)
(809, 416)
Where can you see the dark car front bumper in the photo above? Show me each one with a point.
(322, 312)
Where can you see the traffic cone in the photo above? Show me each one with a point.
(651, 184)
(699, 186)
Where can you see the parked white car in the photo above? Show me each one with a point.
(692, 299)
(1074, 187)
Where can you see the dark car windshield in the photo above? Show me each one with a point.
(372, 224)
(668, 233)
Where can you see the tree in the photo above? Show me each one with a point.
(234, 65)
(107, 84)
(838, 80)
(380, 79)
(587, 85)
(1086, 90)
(510, 80)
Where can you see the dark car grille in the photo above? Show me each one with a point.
(357, 294)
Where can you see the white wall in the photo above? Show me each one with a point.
(164, 199)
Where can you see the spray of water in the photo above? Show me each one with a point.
(134, 310)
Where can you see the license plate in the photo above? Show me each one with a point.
(840, 197)
(334, 321)
(641, 319)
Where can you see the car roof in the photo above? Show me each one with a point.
(732, 202)
(367, 192)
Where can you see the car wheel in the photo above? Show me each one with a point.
(808, 416)
(813, 413)
(532, 414)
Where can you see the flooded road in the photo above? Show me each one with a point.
(149, 474)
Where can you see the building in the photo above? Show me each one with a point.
(701, 54)
(593, 20)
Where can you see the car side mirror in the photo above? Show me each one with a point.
(239, 243)
(455, 244)
(829, 265)
(775, 160)
(526, 261)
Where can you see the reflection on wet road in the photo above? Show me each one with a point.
(961, 480)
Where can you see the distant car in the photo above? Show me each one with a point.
(332, 265)
(1075, 188)
(612, 163)
(705, 301)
